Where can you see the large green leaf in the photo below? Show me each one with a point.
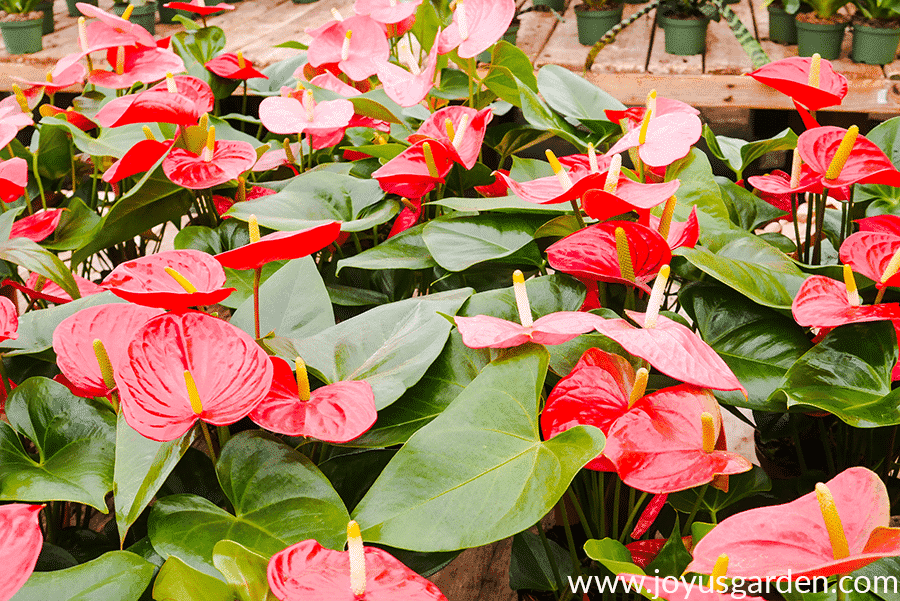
(74, 439)
(539, 115)
(279, 498)
(848, 374)
(117, 575)
(318, 196)
(459, 243)
(885, 199)
(75, 227)
(480, 471)
(573, 96)
(614, 556)
(390, 347)
(32, 257)
(746, 209)
(293, 301)
(757, 343)
(406, 250)
(141, 467)
(530, 567)
(751, 266)
(244, 570)
(177, 581)
(502, 204)
(738, 154)
(699, 189)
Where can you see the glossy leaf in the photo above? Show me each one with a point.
(177, 581)
(244, 570)
(279, 498)
(531, 568)
(860, 391)
(496, 449)
(74, 439)
(406, 250)
(613, 555)
(390, 346)
(114, 575)
(713, 500)
(457, 244)
(573, 96)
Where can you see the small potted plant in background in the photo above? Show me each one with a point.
(876, 31)
(596, 17)
(143, 13)
(684, 23)
(821, 30)
(21, 25)
(73, 10)
(550, 5)
(782, 26)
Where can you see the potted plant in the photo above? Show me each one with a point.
(821, 30)
(73, 10)
(550, 5)
(782, 26)
(876, 31)
(684, 23)
(143, 13)
(46, 8)
(596, 17)
(21, 26)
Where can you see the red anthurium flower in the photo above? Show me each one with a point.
(199, 7)
(635, 115)
(233, 66)
(649, 515)
(335, 413)
(871, 254)
(280, 246)
(476, 26)
(550, 190)
(21, 541)
(643, 552)
(790, 76)
(9, 319)
(13, 178)
(629, 196)
(218, 162)
(681, 233)
(673, 349)
(37, 286)
(668, 138)
(69, 114)
(387, 11)
(290, 115)
(143, 64)
(73, 341)
(591, 254)
(147, 107)
(826, 303)
(173, 279)
(356, 44)
(498, 188)
(865, 164)
(837, 529)
(776, 186)
(181, 367)
(307, 571)
(121, 29)
(467, 125)
(417, 170)
(671, 440)
(223, 204)
(58, 79)
(197, 90)
(140, 158)
(408, 88)
(38, 226)
(888, 224)
(671, 589)
(408, 217)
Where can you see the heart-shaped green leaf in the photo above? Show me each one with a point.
(459, 243)
(177, 581)
(75, 440)
(116, 575)
(479, 472)
(406, 250)
(244, 570)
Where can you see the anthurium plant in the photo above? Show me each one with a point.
(316, 350)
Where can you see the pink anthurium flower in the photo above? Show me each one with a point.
(484, 331)
(9, 319)
(840, 527)
(21, 541)
(184, 367)
(280, 246)
(148, 107)
(193, 88)
(417, 170)
(866, 163)
(13, 178)
(335, 413)
(629, 195)
(888, 224)
(143, 64)
(777, 189)
(138, 159)
(635, 115)
(871, 254)
(199, 7)
(550, 190)
(233, 66)
(116, 25)
(38, 226)
(681, 233)
(476, 26)
(667, 138)
(408, 88)
(273, 159)
(37, 286)
(308, 571)
(173, 279)
(467, 125)
(58, 78)
(592, 253)
(826, 303)
(74, 342)
(290, 115)
(225, 161)
(357, 44)
(387, 11)
(791, 76)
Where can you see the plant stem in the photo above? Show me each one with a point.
(209, 443)
(794, 204)
(580, 511)
(577, 211)
(615, 517)
(829, 457)
(553, 566)
(244, 105)
(696, 506)
(257, 275)
(795, 435)
(37, 178)
(820, 223)
(631, 516)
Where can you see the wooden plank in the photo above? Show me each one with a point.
(479, 574)
(724, 53)
(662, 63)
(292, 20)
(630, 51)
(536, 29)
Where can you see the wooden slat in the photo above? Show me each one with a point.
(724, 53)
(536, 29)
(662, 63)
(290, 17)
(479, 574)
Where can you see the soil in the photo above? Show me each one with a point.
(877, 23)
(812, 18)
(13, 17)
(604, 5)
